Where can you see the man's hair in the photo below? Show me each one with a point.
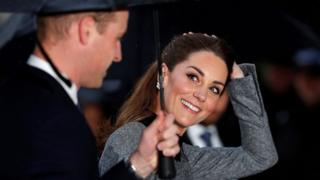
(59, 25)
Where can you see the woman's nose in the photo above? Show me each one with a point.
(200, 94)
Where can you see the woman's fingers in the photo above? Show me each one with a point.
(171, 152)
(168, 120)
(168, 143)
(236, 72)
(169, 140)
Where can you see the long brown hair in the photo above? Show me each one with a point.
(142, 101)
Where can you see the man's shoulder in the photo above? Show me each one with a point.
(29, 77)
(32, 94)
(31, 84)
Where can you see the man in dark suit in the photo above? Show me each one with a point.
(43, 133)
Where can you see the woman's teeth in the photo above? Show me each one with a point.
(190, 106)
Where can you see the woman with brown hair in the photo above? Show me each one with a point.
(196, 69)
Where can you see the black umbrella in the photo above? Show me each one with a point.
(63, 6)
(166, 164)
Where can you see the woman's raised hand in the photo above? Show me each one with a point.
(236, 72)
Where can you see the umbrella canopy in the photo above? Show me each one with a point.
(63, 6)
(58, 6)
(27, 9)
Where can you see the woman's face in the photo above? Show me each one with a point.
(192, 89)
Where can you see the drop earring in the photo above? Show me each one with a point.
(158, 85)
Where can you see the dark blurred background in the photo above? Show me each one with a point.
(281, 38)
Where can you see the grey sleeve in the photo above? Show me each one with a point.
(257, 151)
(120, 145)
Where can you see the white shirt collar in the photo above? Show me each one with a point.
(36, 62)
(194, 132)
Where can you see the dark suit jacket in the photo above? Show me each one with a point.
(43, 134)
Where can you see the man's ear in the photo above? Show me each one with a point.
(86, 28)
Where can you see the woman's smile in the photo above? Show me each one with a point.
(190, 107)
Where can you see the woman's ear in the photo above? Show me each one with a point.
(165, 74)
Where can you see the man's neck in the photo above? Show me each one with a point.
(60, 59)
(45, 66)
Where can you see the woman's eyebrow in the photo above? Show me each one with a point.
(197, 69)
(218, 82)
(202, 74)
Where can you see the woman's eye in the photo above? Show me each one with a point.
(215, 90)
(192, 77)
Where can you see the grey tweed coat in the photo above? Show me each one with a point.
(256, 153)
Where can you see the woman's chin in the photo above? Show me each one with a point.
(184, 123)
